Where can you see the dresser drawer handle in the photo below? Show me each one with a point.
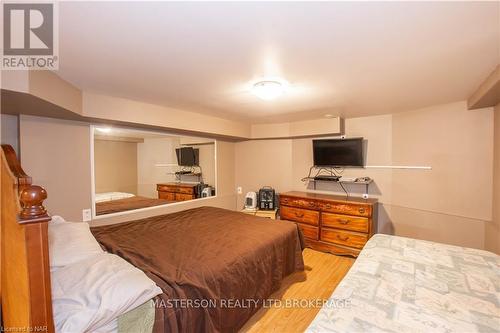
(344, 238)
(299, 215)
(285, 200)
(328, 206)
(343, 221)
(361, 210)
(311, 204)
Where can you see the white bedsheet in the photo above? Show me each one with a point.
(90, 295)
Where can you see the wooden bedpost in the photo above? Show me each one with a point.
(25, 272)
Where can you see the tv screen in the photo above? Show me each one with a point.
(338, 152)
(187, 156)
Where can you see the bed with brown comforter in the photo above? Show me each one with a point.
(227, 263)
(122, 205)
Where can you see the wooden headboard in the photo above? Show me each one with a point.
(24, 252)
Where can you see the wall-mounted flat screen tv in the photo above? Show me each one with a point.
(338, 152)
(187, 156)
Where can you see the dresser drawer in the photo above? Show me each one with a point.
(298, 202)
(341, 237)
(185, 190)
(167, 196)
(183, 197)
(348, 209)
(308, 231)
(299, 215)
(353, 223)
(167, 188)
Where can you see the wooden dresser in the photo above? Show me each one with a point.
(176, 191)
(331, 223)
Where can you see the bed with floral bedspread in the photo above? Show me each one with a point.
(401, 284)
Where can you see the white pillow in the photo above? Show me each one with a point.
(70, 242)
(94, 292)
(56, 219)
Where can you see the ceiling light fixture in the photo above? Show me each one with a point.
(268, 89)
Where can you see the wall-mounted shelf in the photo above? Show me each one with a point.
(194, 171)
(365, 183)
(331, 173)
(312, 179)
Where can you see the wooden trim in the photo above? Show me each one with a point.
(24, 265)
(488, 93)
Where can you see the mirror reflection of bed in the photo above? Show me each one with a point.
(136, 169)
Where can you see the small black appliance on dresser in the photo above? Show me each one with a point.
(266, 198)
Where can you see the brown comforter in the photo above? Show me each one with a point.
(121, 205)
(227, 262)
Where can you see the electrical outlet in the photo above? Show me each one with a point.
(239, 190)
(86, 215)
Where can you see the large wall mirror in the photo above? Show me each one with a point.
(136, 169)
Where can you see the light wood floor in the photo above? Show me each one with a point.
(322, 274)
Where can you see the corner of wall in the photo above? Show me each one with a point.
(492, 230)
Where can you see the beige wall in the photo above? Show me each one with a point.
(115, 166)
(151, 152)
(283, 163)
(458, 144)
(443, 204)
(50, 87)
(323, 126)
(112, 108)
(56, 153)
(492, 235)
(207, 162)
(154, 151)
(91, 107)
(263, 163)
(10, 131)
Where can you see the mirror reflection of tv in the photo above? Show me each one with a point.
(338, 152)
(187, 156)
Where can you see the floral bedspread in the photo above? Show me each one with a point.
(401, 284)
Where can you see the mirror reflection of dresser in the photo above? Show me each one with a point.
(176, 191)
(135, 169)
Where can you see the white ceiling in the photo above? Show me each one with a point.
(341, 58)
